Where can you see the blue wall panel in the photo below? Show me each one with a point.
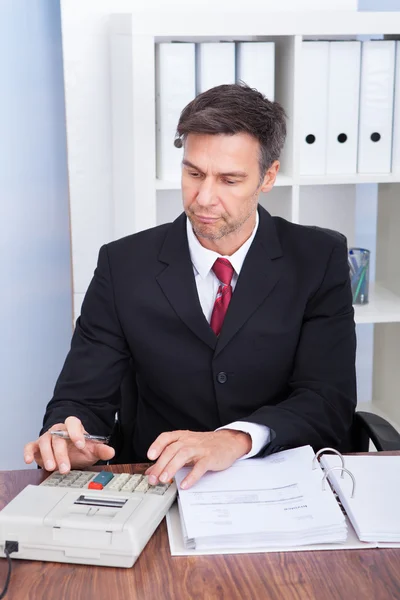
(35, 263)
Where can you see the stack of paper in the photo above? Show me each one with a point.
(374, 509)
(268, 502)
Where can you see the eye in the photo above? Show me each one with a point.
(230, 181)
(194, 174)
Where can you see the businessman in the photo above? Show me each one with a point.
(239, 325)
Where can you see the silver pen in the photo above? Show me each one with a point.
(101, 439)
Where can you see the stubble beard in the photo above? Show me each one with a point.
(206, 231)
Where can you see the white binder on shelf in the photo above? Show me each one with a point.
(376, 106)
(343, 107)
(314, 107)
(175, 88)
(396, 120)
(215, 64)
(255, 65)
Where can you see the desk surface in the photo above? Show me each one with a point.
(321, 575)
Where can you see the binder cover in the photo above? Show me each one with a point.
(376, 107)
(343, 107)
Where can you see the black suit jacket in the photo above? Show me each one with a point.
(285, 357)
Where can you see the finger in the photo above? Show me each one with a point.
(181, 458)
(165, 458)
(29, 451)
(60, 450)
(195, 474)
(161, 442)
(46, 451)
(75, 431)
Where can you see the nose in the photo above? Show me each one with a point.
(206, 194)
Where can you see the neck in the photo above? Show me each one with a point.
(230, 243)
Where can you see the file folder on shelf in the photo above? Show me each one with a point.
(175, 88)
(343, 107)
(396, 120)
(255, 65)
(376, 106)
(314, 107)
(215, 64)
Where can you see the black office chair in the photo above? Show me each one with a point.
(366, 426)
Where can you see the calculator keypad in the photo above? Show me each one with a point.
(121, 482)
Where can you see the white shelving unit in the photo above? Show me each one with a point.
(141, 201)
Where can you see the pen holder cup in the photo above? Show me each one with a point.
(359, 274)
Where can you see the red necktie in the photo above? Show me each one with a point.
(224, 271)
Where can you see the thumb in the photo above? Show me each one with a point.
(102, 451)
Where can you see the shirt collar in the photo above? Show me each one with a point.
(203, 258)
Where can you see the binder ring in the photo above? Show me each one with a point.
(342, 469)
(317, 454)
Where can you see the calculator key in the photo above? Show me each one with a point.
(103, 477)
(118, 482)
(71, 477)
(143, 485)
(50, 482)
(95, 485)
(159, 489)
(132, 483)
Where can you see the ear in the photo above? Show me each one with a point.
(270, 177)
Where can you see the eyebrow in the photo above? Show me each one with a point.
(187, 163)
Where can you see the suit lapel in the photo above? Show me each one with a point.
(178, 283)
(259, 275)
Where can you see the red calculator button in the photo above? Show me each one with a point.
(95, 486)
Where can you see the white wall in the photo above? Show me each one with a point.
(35, 269)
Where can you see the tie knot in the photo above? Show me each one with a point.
(223, 270)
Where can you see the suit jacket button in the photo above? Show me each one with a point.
(222, 377)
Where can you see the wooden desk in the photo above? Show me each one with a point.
(372, 574)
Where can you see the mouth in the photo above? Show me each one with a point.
(206, 219)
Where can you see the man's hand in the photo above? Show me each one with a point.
(209, 451)
(51, 452)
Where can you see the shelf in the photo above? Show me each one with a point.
(383, 307)
(349, 179)
(286, 180)
(161, 184)
(190, 22)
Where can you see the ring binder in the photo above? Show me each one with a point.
(342, 469)
(317, 454)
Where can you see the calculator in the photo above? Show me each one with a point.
(97, 518)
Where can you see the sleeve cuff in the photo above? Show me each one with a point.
(260, 435)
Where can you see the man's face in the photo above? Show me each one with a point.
(220, 182)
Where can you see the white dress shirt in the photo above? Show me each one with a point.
(207, 285)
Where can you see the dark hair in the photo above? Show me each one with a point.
(236, 108)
